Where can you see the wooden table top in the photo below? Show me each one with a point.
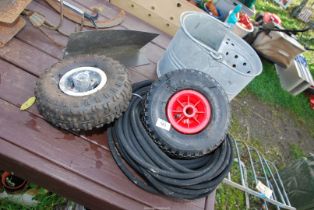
(80, 168)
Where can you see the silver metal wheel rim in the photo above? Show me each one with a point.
(63, 83)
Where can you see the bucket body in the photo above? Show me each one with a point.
(206, 44)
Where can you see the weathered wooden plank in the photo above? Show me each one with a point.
(162, 14)
(24, 87)
(92, 148)
(152, 52)
(130, 22)
(53, 17)
(97, 137)
(149, 71)
(51, 176)
(31, 36)
(16, 85)
(26, 57)
(73, 154)
(27, 89)
(52, 50)
(34, 37)
(136, 77)
(24, 84)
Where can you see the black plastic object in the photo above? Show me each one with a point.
(298, 179)
(172, 141)
(121, 45)
(130, 144)
(84, 112)
(260, 27)
(310, 90)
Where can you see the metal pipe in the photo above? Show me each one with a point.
(263, 169)
(257, 194)
(247, 201)
(259, 157)
(72, 7)
(276, 184)
(253, 168)
(251, 161)
(282, 186)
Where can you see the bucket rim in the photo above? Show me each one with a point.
(186, 14)
(183, 17)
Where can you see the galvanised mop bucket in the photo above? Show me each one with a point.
(206, 44)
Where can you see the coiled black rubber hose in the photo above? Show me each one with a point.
(184, 179)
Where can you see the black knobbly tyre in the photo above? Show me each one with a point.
(83, 92)
(152, 169)
(187, 113)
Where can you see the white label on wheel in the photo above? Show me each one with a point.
(264, 189)
(163, 124)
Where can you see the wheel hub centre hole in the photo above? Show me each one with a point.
(84, 81)
(189, 111)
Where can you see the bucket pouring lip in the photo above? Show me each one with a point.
(188, 14)
(184, 16)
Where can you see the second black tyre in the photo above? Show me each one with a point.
(187, 113)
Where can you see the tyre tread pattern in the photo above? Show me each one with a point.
(151, 127)
(89, 112)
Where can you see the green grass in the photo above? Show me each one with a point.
(229, 198)
(267, 86)
(46, 201)
(291, 23)
(296, 151)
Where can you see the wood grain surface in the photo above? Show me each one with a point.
(79, 167)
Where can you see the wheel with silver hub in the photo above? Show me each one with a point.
(83, 81)
(83, 92)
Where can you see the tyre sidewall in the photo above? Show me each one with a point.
(206, 140)
(62, 109)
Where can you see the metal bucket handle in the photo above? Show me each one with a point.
(216, 56)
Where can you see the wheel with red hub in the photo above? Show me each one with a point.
(187, 113)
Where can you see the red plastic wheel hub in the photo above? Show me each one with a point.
(188, 111)
(312, 101)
